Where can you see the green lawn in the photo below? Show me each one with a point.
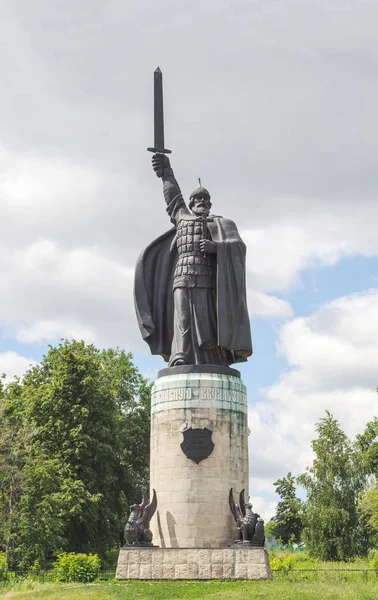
(159, 590)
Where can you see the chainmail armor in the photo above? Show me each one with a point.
(193, 267)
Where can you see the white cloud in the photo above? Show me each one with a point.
(265, 508)
(336, 347)
(45, 197)
(266, 305)
(31, 183)
(332, 356)
(46, 331)
(278, 252)
(290, 161)
(304, 235)
(13, 364)
(49, 292)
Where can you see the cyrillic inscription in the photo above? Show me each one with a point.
(206, 393)
(220, 394)
(173, 394)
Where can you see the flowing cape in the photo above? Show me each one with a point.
(153, 291)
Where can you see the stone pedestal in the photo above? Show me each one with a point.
(193, 563)
(193, 508)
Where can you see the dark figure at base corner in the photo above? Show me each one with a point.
(249, 525)
(190, 293)
(137, 531)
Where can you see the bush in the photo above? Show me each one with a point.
(35, 568)
(282, 563)
(303, 561)
(4, 575)
(82, 568)
(109, 560)
(374, 562)
(296, 560)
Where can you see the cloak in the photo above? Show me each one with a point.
(153, 291)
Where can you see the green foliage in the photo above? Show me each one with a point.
(3, 567)
(286, 524)
(82, 568)
(369, 507)
(110, 559)
(367, 445)
(333, 530)
(74, 453)
(282, 563)
(35, 569)
(15, 438)
(304, 561)
(288, 561)
(373, 564)
(269, 528)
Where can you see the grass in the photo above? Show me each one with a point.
(306, 580)
(303, 560)
(214, 590)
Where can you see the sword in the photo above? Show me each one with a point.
(158, 115)
(204, 230)
(204, 221)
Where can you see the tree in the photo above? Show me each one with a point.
(88, 411)
(367, 446)
(14, 434)
(369, 508)
(287, 523)
(333, 530)
(269, 529)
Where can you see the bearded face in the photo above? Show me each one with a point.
(201, 206)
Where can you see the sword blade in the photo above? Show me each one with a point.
(158, 114)
(158, 109)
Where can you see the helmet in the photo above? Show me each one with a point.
(200, 191)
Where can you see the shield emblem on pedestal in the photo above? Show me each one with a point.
(197, 444)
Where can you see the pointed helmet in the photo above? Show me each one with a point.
(199, 191)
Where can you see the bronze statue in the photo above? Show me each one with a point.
(190, 293)
(137, 532)
(249, 525)
(258, 538)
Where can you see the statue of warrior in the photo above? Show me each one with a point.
(249, 525)
(137, 531)
(190, 293)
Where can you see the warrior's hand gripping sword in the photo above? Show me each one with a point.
(159, 115)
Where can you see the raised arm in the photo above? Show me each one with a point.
(171, 189)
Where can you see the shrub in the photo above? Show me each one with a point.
(109, 560)
(4, 575)
(374, 562)
(303, 561)
(35, 568)
(82, 568)
(282, 563)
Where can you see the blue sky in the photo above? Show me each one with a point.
(274, 105)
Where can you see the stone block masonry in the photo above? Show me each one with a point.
(193, 563)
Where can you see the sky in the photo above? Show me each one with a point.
(273, 103)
